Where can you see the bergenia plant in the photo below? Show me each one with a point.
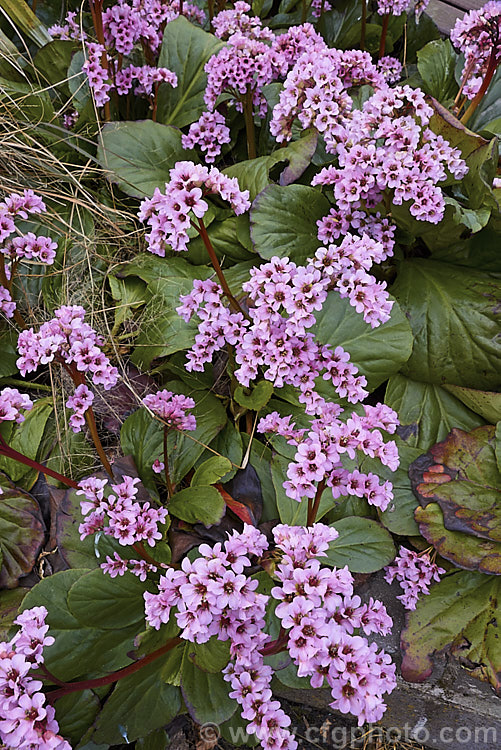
(250, 349)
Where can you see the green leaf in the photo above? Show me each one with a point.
(224, 239)
(22, 17)
(185, 50)
(436, 65)
(212, 656)
(461, 613)
(489, 109)
(129, 294)
(453, 313)
(258, 397)
(10, 601)
(211, 471)
(485, 403)
(497, 447)
(462, 476)
(52, 62)
(139, 704)
(205, 694)
(142, 436)
(378, 353)
(98, 599)
(198, 505)
(363, 545)
(26, 439)
(427, 412)
(8, 342)
(137, 156)
(22, 533)
(157, 740)
(283, 221)
(254, 174)
(335, 24)
(463, 550)
(162, 330)
(75, 713)
(68, 657)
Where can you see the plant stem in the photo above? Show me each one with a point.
(491, 69)
(200, 227)
(274, 647)
(304, 11)
(139, 547)
(313, 508)
(73, 687)
(168, 481)
(248, 106)
(210, 8)
(384, 31)
(364, 25)
(8, 452)
(79, 379)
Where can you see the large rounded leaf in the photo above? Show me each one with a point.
(363, 545)
(138, 155)
(68, 657)
(379, 352)
(427, 412)
(284, 221)
(454, 315)
(185, 50)
(22, 532)
(461, 613)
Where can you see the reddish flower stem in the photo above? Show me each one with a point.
(8, 452)
(139, 548)
(96, 10)
(491, 69)
(168, 481)
(200, 227)
(313, 507)
(79, 379)
(73, 687)
(384, 32)
(248, 106)
(364, 25)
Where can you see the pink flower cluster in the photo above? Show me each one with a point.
(28, 247)
(125, 25)
(388, 148)
(11, 403)
(25, 721)
(209, 133)
(117, 566)
(242, 67)
(414, 572)
(70, 29)
(397, 7)
(236, 20)
(214, 597)
(318, 609)
(172, 408)
(478, 36)
(316, 92)
(346, 266)
(103, 80)
(283, 298)
(168, 214)
(68, 340)
(129, 521)
(391, 68)
(320, 450)
(79, 402)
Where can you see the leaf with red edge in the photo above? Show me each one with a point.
(461, 475)
(462, 614)
(22, 533)
(239, 509)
